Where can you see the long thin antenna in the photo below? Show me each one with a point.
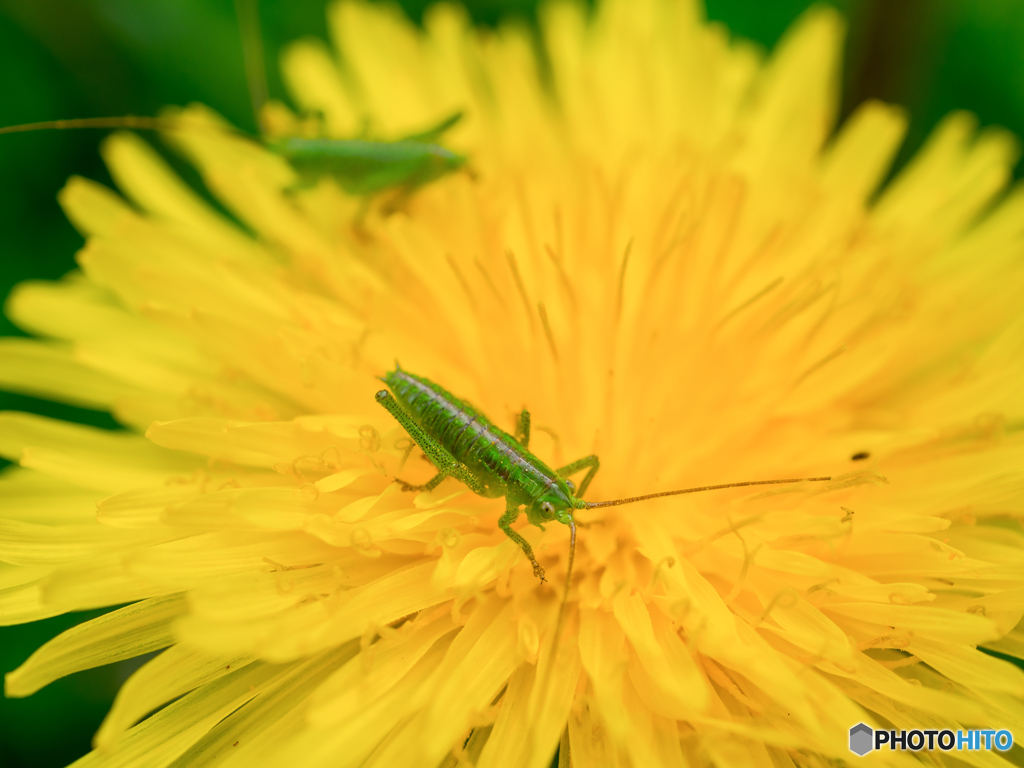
(631, 499)
(568, 576)
(248, 13)
(127, 121)
(560, 621)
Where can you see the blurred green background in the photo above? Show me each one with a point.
(84, 58)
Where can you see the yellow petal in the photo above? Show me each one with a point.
(247, 732)
(376, 671)
(51, 371)
(24, 602)
(34, 544)
(33, 498)
(969, 666)
(316, 85)
(121, 634)
(159, 739)
(663, 656)
(173, 673)
(86, 456)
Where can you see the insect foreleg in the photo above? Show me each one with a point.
(505, 522)
(591, 462)
(523, 429)
(446, 463)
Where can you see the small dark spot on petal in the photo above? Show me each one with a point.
(860, 456)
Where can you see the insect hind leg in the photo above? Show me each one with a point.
(447, 465)
(505, 523)
(590, 462)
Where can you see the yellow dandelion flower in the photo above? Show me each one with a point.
(660, 253)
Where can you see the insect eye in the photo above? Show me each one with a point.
(547, 508)
(572, 485)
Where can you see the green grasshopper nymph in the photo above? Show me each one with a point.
(464, 444)
(362, 167)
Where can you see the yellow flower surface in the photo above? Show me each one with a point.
(659, 248)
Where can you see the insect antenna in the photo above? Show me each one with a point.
(125, 121)
(560, 620)
(252, 46)
(568, 577)
(632, 499)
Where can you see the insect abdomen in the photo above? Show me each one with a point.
(455, 424)
(489, 452)
(363, 167)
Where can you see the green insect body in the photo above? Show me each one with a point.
(464, 444)
(360, 166)
(363, 167)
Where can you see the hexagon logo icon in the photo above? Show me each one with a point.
(861, 738)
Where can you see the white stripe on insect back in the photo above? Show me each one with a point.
(483, 428)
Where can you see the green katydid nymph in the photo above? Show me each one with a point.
(464, 444)
(362, 167)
